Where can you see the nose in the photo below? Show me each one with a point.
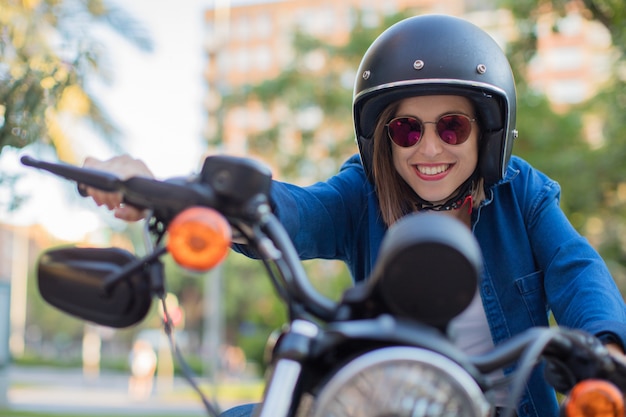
(430, 145)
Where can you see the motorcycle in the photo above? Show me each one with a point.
(380, 350)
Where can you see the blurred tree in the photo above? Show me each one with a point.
(49, 49)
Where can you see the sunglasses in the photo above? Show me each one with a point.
(453, 129)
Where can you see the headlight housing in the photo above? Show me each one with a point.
(401, 381)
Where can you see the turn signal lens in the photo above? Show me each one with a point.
(199, 238)
(595, 398)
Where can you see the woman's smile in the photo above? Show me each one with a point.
(432, 172)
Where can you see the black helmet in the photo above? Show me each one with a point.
(435, 55)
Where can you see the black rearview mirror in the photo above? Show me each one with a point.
(428, 269)
(72, 280)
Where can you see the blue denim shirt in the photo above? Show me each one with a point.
(534, 260)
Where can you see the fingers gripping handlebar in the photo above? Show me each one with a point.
(575, 355)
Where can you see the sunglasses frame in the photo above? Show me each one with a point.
(423, 129)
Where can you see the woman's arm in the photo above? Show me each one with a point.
(321, 219)
(579, 287)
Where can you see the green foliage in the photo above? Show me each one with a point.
(48, 53)
(554, 144)
(592, 175)
(612, 14)
(252, 308)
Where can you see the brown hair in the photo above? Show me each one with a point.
(395, 197)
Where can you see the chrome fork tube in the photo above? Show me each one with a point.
(281, 388)
(279, 394)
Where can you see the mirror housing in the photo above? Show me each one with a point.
(71, 279)
(428, 268)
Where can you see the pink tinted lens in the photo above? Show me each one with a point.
(405, 131)
(454, 129)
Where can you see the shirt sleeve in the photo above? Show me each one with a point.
(322, 218)
(579, 287)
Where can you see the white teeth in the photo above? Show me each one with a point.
(432, 170)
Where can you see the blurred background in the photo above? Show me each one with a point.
(172, 81)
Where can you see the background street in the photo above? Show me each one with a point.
(68, 391)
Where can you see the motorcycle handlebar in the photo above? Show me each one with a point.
(165, 198)
(98, 179)
(571, 356)
(220, 186)
(574, 355)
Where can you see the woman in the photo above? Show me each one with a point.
(434, 111)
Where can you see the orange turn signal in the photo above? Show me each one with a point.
(199, 238)
(595, 398)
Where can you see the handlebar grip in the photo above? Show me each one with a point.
(29, 161)
(618, 376)
(578, 355)
(84, 177)
(82, 189)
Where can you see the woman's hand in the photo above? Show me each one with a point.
(616, 352)
(615, 349)
(124, 166)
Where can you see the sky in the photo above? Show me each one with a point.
(156, 99)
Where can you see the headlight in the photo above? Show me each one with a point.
(401, 381)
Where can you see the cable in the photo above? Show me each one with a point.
(186, 370)
(527, 362)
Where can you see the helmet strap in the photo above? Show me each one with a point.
(461, 198)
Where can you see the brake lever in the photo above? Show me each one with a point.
(83, 177)
(101, 180)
